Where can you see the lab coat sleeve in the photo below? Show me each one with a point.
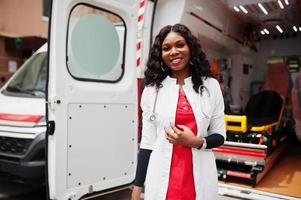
(217, 122)
(148, 137)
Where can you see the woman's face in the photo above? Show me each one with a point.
(176, 53)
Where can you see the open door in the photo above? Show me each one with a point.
(92, 96)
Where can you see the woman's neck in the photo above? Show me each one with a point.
(180, 76)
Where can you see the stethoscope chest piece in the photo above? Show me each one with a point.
(152, 117)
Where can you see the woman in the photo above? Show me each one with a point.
(183, 118)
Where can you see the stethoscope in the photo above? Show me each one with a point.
(201, 90)
(152, 117)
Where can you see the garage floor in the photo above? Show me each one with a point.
(285, 176)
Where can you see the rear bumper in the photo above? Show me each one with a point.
(31, 165)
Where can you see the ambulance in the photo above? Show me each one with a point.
(97, 52)
(22, 121)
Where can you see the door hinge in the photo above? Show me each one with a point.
(52, 102)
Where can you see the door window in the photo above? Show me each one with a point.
(95, 44)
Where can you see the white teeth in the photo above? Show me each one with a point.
(175, 61)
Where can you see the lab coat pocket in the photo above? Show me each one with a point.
(203, 125)
(203, 114)
(205, 106)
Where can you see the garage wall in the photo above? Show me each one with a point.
(241, 72)
(23, 18)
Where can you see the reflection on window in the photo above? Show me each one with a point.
(31, 78)
(95, 44)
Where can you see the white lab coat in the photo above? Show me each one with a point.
(208, 109)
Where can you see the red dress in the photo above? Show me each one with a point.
(181, 182)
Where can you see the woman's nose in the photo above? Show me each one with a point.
(173, 51)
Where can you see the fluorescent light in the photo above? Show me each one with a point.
(243, 9)
(299, 28)
(236, 9)
(286, 2)
(262, 8)
(262, 32)
(280, 4)
(295, 28)
(266, 31)
(279, 28)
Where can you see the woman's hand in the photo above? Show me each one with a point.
(136, 193)
(183, 137)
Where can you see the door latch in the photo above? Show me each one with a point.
(50, 127)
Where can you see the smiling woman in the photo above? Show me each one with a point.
(188, 101)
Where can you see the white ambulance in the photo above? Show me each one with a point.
(97, 55)
(22, 121)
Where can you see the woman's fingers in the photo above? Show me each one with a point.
(184, 128)
(175, 128)
(136, 193)
(180, 135)
(171, 136)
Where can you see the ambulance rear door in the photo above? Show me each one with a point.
(91, 97)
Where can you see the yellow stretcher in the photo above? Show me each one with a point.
(260, 121)
(254, 138)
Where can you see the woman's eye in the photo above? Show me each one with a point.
(180, 45)
(165, 48)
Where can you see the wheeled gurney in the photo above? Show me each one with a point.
(253, 139)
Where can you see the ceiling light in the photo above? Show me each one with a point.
(286, 2)
(279, 28)
(262, 32)
(236, 9)
(295, 28)
(280, 4)
(299, 28)
(262, 8)
(266, 31)
(243, 9)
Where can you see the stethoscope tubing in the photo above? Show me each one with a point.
(153, 115)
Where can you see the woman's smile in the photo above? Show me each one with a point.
(177, 61)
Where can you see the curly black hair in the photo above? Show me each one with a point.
(198, 65)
